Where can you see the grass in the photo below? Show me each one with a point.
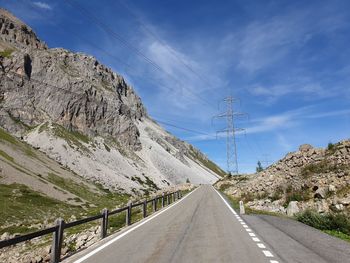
(234, 202)
(101, 199)
(334, 224)
(73, 138)
(6, 53)
(206, 162)
(19, 204)
(325, 166)
(4, 136)
(6, 156)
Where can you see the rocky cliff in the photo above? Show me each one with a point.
(310, 178)
(87, 118)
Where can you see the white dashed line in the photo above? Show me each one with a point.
(261, 245)
(267, 253)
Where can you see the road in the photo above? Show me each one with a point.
(201, 227)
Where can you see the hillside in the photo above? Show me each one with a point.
(309, 179)
(87, 118)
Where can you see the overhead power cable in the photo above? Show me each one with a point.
(170, 50)
(128, 45)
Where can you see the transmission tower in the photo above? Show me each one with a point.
(230, 130)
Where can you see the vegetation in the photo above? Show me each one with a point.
(334, 224)
(224, 186)
(331, 148)
(259, 168)
(188, 181)
(296, 195)
(206, 162)
(325, 166)
(19, 204)
(6, 53)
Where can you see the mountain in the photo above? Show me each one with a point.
(85, 117)
(308, 179)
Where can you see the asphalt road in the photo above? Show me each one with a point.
(201, 227)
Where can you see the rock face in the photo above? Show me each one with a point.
(86, 117)
(317, 179)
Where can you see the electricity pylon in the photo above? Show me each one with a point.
(230, 130)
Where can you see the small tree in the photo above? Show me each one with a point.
(259, 168)
(188, 181)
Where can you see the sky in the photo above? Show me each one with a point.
(286, 63)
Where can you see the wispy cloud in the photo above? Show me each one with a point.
(42, 5)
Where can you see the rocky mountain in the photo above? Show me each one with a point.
(310, 178)
(85, 117)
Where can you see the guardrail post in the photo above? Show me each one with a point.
(128, 214)
(177, 195)
(241, 208)
(155, 204)
(104, 222)
(173, 194)
(168, 199)
(57, 241)
(144, 206)
(163, 200)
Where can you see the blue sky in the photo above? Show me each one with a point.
(287, 62)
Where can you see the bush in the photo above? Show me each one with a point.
(335, 222)
(296, 195)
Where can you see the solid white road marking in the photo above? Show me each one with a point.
(261, 245)
(267, 253)
(131, 229)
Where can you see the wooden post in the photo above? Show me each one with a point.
(144, 206)
(57, 241)
(163, 200)
(104, 222)
(155, 204)
(168, 199)
(128, 214)
(177, 195)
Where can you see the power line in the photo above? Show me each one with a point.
(230, 130)
(150, 32)
(128, 45)
(96, 100)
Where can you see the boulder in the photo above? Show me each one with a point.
(305, 147)
(321, 193)
(292, 208)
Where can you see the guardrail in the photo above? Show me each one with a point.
(61, 225)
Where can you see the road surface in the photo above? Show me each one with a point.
(201, 227)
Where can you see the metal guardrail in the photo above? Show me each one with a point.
(58, 229)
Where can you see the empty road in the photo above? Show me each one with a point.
(201, 227)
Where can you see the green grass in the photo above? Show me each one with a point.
(338, 234)
(326, 222)
(19, 204)
(6, 156)
(6, 53)
(101, 199)
(234, 202)
(4, 136)
(325, 166)
(206, 162)
(73, 138)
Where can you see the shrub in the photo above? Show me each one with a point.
(335, 222)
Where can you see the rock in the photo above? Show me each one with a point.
(345, 201)
(331, 188)
(305, 147)
(322, 206)
(292, 208)
(5, 236)
(321, 193)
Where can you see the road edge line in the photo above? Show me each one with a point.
(93, 252)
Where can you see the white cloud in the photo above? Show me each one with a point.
(42, 5)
